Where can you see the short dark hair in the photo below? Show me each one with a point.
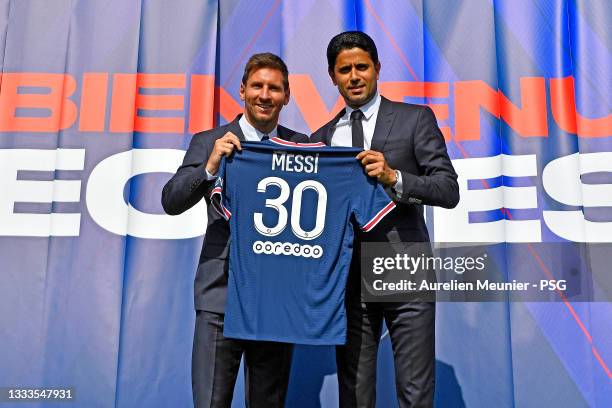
(266, 60)
(348, 40)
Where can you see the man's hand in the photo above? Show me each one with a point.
(376, 166)
(224, 146)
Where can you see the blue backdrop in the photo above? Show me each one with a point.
(98, 99)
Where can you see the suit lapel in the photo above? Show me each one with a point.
(384, 122)
(329, 128)
(284, 133)
(235, 128)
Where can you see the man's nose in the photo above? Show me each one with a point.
(265, 93)
(354, 77)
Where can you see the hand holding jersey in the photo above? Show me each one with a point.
(224, 146)
(376, 166)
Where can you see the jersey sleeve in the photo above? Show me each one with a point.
(218, 197)
(370, 201)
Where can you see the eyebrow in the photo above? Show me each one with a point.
(358, 63)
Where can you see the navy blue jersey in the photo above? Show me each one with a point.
(290, 208)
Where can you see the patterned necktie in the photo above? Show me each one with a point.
(357, 128)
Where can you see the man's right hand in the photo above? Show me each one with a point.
(224, 146)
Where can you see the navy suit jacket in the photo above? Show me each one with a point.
(409, 138)
(411, 142)
(185, 189)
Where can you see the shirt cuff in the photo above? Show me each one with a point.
(398, 187)
(209, 177)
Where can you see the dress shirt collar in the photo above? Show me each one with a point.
(368, 109)
(251, 134)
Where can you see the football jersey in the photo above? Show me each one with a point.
(290, 207)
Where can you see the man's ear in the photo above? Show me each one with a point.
(242, 90)
(287, 96)
(331, 75)
(377, 68)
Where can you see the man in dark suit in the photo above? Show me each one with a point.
(404, 149)
(216, 359)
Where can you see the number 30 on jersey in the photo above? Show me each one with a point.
(296, 208)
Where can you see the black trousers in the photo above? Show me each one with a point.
(412, 332)
(216, 360)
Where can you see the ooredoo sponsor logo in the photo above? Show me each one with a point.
(287, 248)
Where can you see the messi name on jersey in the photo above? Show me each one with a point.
(290, 208)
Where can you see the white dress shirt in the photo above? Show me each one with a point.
(343, 133)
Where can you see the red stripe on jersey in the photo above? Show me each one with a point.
(225, 214)
(288, 143)
(378, 217)
(228, 214)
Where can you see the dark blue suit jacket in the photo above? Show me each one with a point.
(185, 189)
(411, 142)
(409, 138)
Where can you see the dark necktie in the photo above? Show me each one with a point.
(265, 137)
(357, 128)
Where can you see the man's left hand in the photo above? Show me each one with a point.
(376, 166)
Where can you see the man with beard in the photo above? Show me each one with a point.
(216, 359)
